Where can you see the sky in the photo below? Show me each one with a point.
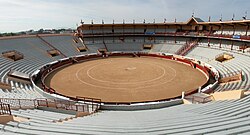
(22, 15)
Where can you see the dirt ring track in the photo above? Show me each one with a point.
(126, 79)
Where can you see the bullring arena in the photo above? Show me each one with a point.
(127, 79)
(177, 78)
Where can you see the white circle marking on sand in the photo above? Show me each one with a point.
(135, 82)
(93, 85)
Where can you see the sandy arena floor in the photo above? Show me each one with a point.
(126, 79)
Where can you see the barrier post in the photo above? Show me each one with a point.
(183, 95)
(92, 104)
(1, 109)
(34, 103)
(76, 107)
(199, 91)
(55, 103)
(88, 107)
(9, 109)
(19, 103)
(47, 103)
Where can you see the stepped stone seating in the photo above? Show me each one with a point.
(238, 63)
(127, 47)
(64, 43)
(32, 60)
(218, 117)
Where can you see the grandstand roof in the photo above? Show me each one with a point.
(192, 20)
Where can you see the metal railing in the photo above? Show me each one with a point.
(93, 102)
(19, 103)
(5, 109)
(67, 105)
(186, 48)
(52, 103)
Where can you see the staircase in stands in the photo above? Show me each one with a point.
(186, 48)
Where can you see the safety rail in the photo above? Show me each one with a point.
(178, 52)
(94, 102)
(190, 47)
(171, 34)
(87, 99)
(19, 103)
(105, 46)
(5, 109)
(68, 105)
(52, 103)
(186, 48)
